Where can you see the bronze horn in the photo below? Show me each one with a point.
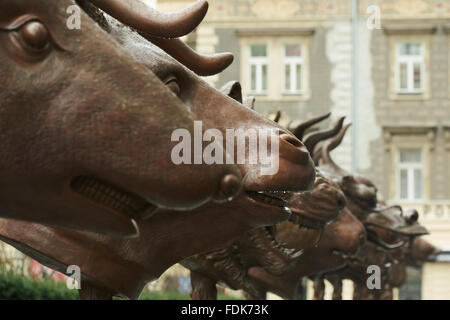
(299, 132)
(335, 142)
(311, 140)
(140, 16)
(203, 65)
(327, 147)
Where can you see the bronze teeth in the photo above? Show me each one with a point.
(272, 237)
(307, 223)
(267, 197)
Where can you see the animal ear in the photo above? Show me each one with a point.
(249, 102)
(277, 117)
(412, 216)
(348, 179)
(233, 89)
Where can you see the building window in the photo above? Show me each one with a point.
(293, 69)
(410, 68)
(410, 174)
(275, 67)
(258, 64)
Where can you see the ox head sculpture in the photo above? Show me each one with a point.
(171, 236)
(295, 168)
(86, 129)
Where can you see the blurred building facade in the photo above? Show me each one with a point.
(296, 56)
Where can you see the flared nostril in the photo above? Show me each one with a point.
(230, 185)
(341, 203)
(292, 140)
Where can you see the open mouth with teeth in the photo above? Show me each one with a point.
(296, 215)
(262, 244)
(112, 197)
(280, 199)
(272, 236)
(272, 198)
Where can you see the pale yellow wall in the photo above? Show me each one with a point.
(436, 281)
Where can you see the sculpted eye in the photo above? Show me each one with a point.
(31, 41)
(35, 35)
(174, 86)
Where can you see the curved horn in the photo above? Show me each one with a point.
(334, 143)
(326, 157)
(202, 65)
(300, 130)
(277, 117)
(337, 140)
(140, 16)
(312, 139)
(233, 89)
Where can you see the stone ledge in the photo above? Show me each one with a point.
(268, 32)
(409, 29)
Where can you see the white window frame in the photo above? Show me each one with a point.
(293, 62)
(410, 167)
(410, 60)
(259, 62)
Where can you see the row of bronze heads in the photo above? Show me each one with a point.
(361, 232)
(87, 180)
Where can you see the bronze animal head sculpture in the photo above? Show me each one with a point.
(390, 232)
(263, 248)
(170, 236)
(389, 226)
(295, 167)
(252, 253)
(86, 130)
(414, 254)
(342, 240)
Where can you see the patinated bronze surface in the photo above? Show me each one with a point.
(86, 123)
(341, 241)
(123, 266)
(389, 239)
(86, 129)
(268, 248)
(386, 228)
(414, 254)
(260, 252)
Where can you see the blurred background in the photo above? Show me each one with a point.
(384, 64)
